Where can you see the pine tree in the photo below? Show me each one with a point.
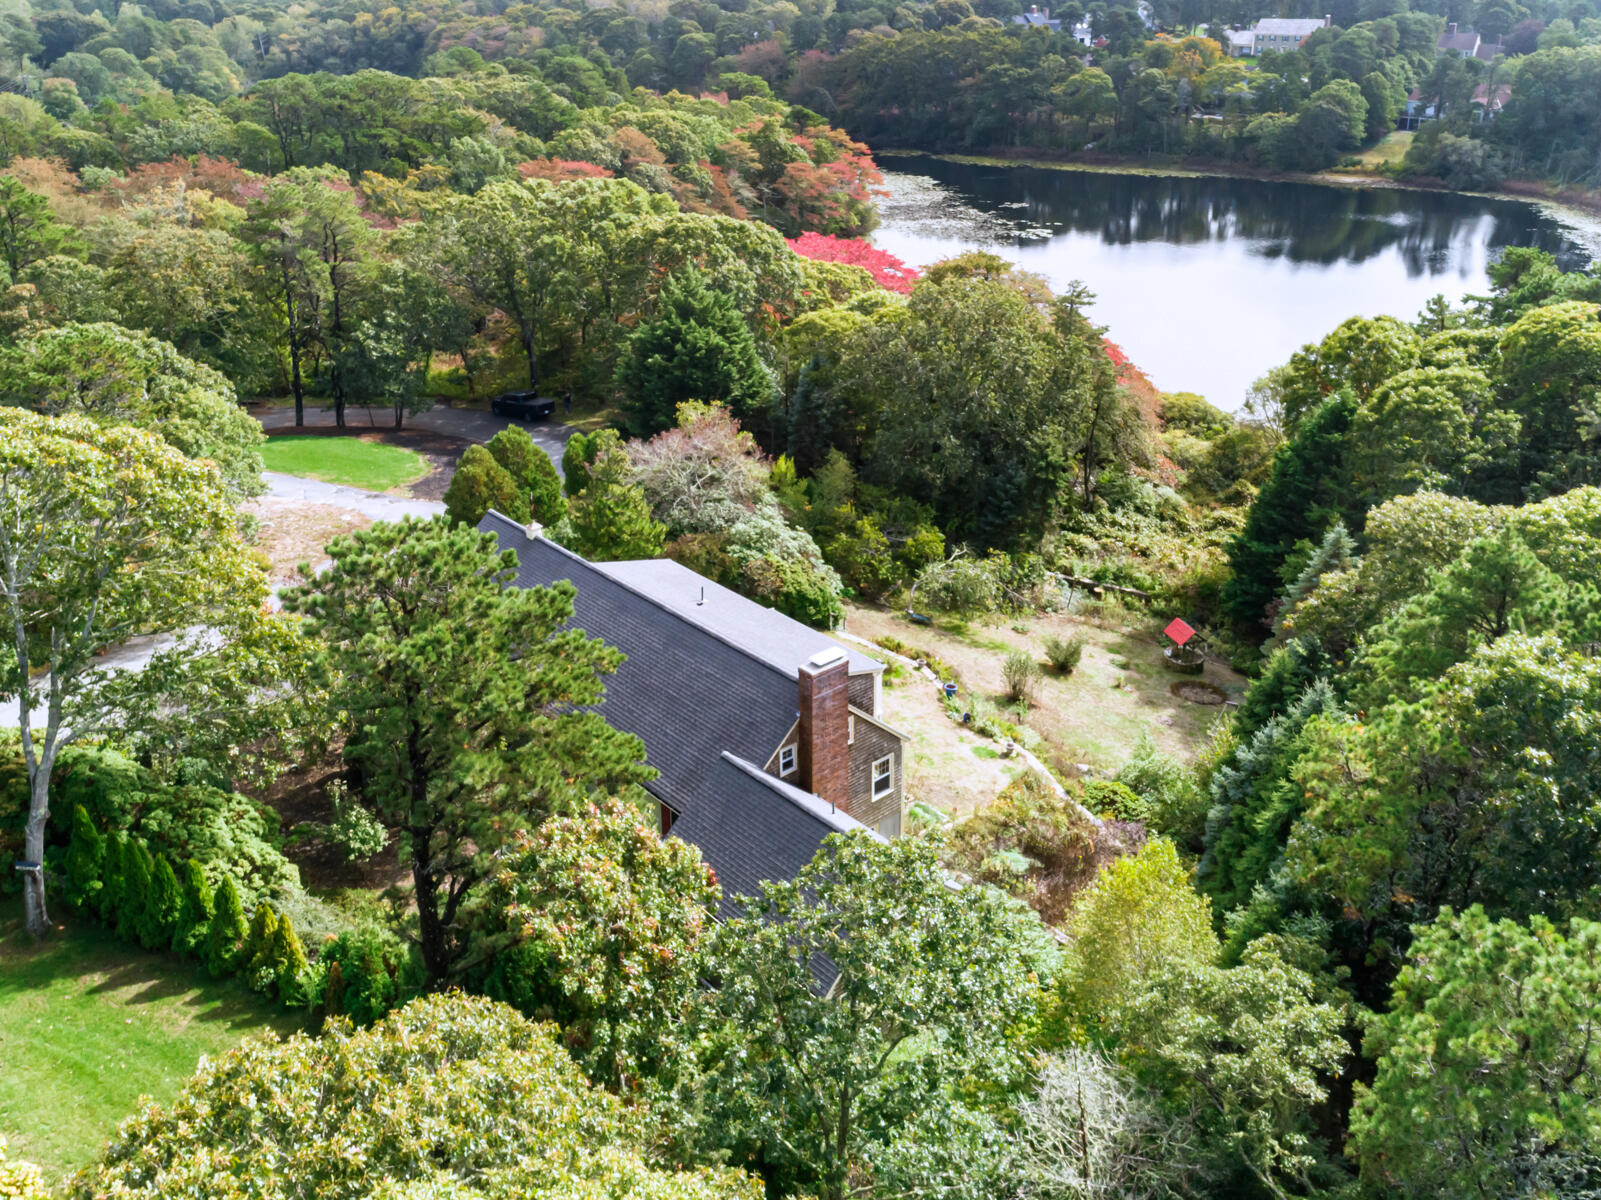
(256, 956)
(289, 964)
(86, 862)
(226, 932)
(160, 917)
(194, 912)
(135, 891)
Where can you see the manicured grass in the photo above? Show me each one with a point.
(371, 466)
(88, 1025)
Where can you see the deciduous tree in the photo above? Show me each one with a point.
(106, 533)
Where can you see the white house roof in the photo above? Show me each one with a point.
(763, 633)
(1292, 26)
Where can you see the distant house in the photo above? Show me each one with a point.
(1418, 109)
(1284, 33)
(1038, 18)
(1242, 42)
(767, 734)
(1488, 102)
(1467, 43)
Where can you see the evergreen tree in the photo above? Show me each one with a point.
(256, 956)
(1255, 802)
(532, 471)
(226, 932)
(289, 965)
(480, 484)
(610, 520)
(576, 458)
(160, 916)
(112, 877)
(468, 705)
(1305, 491)
(1337, 553)
(697, 347)
(86, 860)
(130, 913)
(195, 908)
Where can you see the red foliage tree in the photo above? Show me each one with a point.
(887, 270)
(559, 170)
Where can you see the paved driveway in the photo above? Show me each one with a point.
(377, 505)
(470, 424)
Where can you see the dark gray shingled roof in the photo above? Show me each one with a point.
(761, 632)
(708, 712)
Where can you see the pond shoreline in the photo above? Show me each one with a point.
(1581, 206)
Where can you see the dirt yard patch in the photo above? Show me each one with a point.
(294, 531)
(947, 766)
(1094, 717)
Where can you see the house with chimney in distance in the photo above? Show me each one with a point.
(767, 734)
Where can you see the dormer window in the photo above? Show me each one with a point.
(787, 761)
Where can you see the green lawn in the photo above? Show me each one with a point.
(88, 1025)
(1388, 151)
(371, 466)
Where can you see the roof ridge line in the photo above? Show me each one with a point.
(646, 597)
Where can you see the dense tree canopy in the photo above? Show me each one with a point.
(449, 1096)
(462, 705)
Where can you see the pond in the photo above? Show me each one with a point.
(1206, 281)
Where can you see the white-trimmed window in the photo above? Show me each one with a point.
(786, 761)
(850, 730)
(883, 777)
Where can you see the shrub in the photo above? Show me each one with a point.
(1166, 786)
(20, 1180)
(864, 560)
(224, 832)
(534, 474)
(1115, 801)
(257, 964)
(374, 968)
(290, 970)
(129, 916)
(109, 899)
(86, 861)
(1064, 653)
(227, 931)
(1021, 675)
(159, 920)
(480, 484)
(195, 908)
(1030, 826)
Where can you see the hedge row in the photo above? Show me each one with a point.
(144, 901)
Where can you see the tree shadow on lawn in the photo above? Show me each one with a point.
(129, 975)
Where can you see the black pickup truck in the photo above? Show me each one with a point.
(524, 406)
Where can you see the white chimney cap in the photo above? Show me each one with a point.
(826, 658)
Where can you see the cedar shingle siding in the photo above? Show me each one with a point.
(873, 742)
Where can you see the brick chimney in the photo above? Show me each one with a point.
(824, 695)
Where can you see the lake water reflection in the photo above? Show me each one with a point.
(1208, 282)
